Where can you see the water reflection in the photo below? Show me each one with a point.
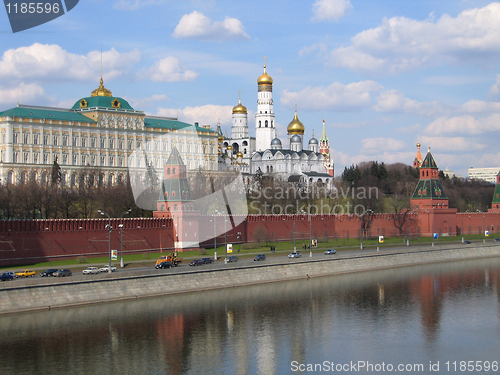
(436, 312)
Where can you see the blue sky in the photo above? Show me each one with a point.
(383, 74)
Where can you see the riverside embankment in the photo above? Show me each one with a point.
(78, 290)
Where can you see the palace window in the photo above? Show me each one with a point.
(26, 156)
(65, 140)
(75, 159)
(26, 138)
(103, 160)
(93, 142)
(92, 160)
(35, 158)
(111, 143)
(120, 144)
(15, 137)
(130, 144)
(65, 159)
(45, 139)
(84, 141)
(103, 142)
(84, 159)
(45, 158)
(111, 161)
(55, 139)
(120, 161)
(75, 141)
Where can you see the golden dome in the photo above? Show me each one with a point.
(265, 79)
(239, 154)
(220, 138)
(295, 126)
(101, 90)
(240, 108)
(229, 147)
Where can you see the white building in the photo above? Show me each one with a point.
(101, 136)
(486, 174)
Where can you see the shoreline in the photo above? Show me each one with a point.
(87, 291)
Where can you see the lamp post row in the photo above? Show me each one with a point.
(110, 229)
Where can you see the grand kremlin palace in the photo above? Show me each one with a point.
(100, 136)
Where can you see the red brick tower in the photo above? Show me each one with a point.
(175, 201)
(324, 148)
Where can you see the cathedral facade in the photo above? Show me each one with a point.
(266, 153)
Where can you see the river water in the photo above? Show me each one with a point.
(413, 320)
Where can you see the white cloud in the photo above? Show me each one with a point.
(330, 9)
(44, 62)
(205, 115)
(337, 96)
(401, 44)
(479, 106)
(376, 145)
(170, 70)
(146, 102)
(456, 144)
(394, 101)
(24, 94)
(465, 124)
(136, 4)
(198, 26)
(495, 89)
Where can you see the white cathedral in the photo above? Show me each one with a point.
(265, 152)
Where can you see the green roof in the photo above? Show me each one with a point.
(429, 189)
(496, 194)
(102, 102)
(174, 158)
(45, 113)
(164, 123)
(429, 162)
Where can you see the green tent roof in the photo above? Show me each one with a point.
(496, 194)
(174, 158)
(429, 162)
(429, 189)
(158, 122)
(45, 113)
(174, 190)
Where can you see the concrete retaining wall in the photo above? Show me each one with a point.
(107, 290)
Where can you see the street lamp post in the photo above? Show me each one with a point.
(484, 229)
(108, 227)
(310, 237)
(121, 236)
(215, 241)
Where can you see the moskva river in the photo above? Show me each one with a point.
(442, 318)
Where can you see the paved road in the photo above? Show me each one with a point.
(272, 258)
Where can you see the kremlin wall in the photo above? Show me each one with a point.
(33, 241)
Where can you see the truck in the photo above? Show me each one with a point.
(169, 258)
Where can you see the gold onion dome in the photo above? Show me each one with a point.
(295, 126)
(265, 79)
(240, 108)
(239, 154)
(101, 90)
(229, 147)
(220, 138)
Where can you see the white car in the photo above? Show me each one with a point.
(90, 271)
(105, 268)
(294, 255)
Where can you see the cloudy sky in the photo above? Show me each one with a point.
(383, 74)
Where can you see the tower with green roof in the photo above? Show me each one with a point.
(175, 202)
(495, 203)
(430, 201)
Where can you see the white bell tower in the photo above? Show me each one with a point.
(265, 130)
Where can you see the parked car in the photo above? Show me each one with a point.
(196, 262)
(207, 260)
(25, 273)
(105, 268)
(259, 257)
(330, 252)
(496, 240)
(163, 265)
(90, 271)
(62, 273)
(6, 276)
(295, 254)
(232, 258)
(467, 242)
(48, 272)
(13, 274)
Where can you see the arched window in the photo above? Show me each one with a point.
(173, 170)
(175, 207)
(266, 124)
(168, 170)
(260, 124)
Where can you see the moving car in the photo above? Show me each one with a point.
(163, 265)
(232, 258)
(496, 240)
(6, 276)
(467, 242)
(295, 254)
(25, 273)
(207, 260)
(90, 271)
(62, 273)
(196, 262)
(330, 252)
(259, 257)
(48, 272)
(105, 268)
